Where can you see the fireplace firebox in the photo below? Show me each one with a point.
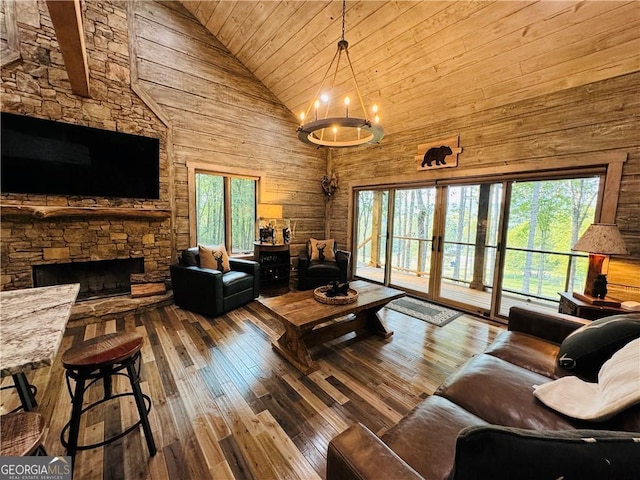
(100, 278)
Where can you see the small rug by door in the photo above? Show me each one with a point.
(428, 312)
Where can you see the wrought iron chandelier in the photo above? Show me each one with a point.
(324, 131)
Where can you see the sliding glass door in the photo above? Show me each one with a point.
(468, 245)
(372, 212)
(546, 217)
(483, 247)
(412, 238)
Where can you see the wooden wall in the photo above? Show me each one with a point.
(556, 129)
(219, 114)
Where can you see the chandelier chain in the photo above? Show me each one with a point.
(344, 15)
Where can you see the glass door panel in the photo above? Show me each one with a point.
(546, 218)
(468, 245)
(411, 244)
(371, 234)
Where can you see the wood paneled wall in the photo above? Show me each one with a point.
(554, 130)
(219, 114)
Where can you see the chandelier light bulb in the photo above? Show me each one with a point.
(324, 97)
(374, 108)
(346, 106)
(377, 119)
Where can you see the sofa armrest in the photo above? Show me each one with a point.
(342, 259)
(358, 454)
(197, 289)
(553, 327)
(242, 265)
(248, 266)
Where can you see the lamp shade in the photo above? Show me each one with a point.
(266, 210)
(602, 238)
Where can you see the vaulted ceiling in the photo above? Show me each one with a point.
(428, 61)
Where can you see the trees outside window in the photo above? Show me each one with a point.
(226, 211)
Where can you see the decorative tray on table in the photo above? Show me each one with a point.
(327, 295)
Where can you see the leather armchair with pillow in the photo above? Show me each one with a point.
(209, 291)
(320, 263)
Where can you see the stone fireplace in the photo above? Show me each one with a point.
(97, 247)
(97, 279)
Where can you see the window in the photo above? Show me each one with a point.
(225, 210)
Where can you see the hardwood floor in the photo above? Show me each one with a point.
(226, 406)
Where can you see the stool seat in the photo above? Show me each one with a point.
(103, 351)
(21, 433)
(102, 358)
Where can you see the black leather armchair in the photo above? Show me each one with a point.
(211, 292)
(316, 273)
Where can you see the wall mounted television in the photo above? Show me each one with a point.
(48, 157)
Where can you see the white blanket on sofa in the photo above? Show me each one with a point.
(618, 388)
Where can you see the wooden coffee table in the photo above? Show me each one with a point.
(308, 322)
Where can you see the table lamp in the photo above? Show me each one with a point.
(600, 240)
(267, 230)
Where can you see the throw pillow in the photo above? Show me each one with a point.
(215, 258)
(586, 349)
(322, 250)
(498, 453)
(618, 388)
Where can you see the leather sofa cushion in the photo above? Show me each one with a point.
(426, 437)
(234, 282)
(501, 453)
(502, 393)
(320, 269)
(528, 352)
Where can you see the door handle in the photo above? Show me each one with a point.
(433, 243)
(439, 244)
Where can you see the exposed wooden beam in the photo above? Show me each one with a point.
(66, 17)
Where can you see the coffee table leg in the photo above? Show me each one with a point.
(375, 325)
(291, 346)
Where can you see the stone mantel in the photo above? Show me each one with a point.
(45, 212)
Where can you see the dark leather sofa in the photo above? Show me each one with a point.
(210, 292)
(315, 273)
(484, 422)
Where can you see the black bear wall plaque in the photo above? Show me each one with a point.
(441, 154)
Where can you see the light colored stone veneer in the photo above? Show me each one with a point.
(37, 85)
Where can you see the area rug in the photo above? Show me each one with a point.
(425, 311)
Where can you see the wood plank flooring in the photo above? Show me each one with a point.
(226, 406)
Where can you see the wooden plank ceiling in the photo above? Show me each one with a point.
(428, 61)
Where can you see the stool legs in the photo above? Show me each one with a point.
(76, 413)
(81, 377)
(142, 410)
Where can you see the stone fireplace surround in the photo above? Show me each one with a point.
(41, 236)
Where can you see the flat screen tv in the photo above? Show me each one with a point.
(47, 157)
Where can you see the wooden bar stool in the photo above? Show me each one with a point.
(101, 358)
(21, 434)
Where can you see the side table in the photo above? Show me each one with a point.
(275, 266)
(576, 307)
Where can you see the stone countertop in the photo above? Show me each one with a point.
(32, 323)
